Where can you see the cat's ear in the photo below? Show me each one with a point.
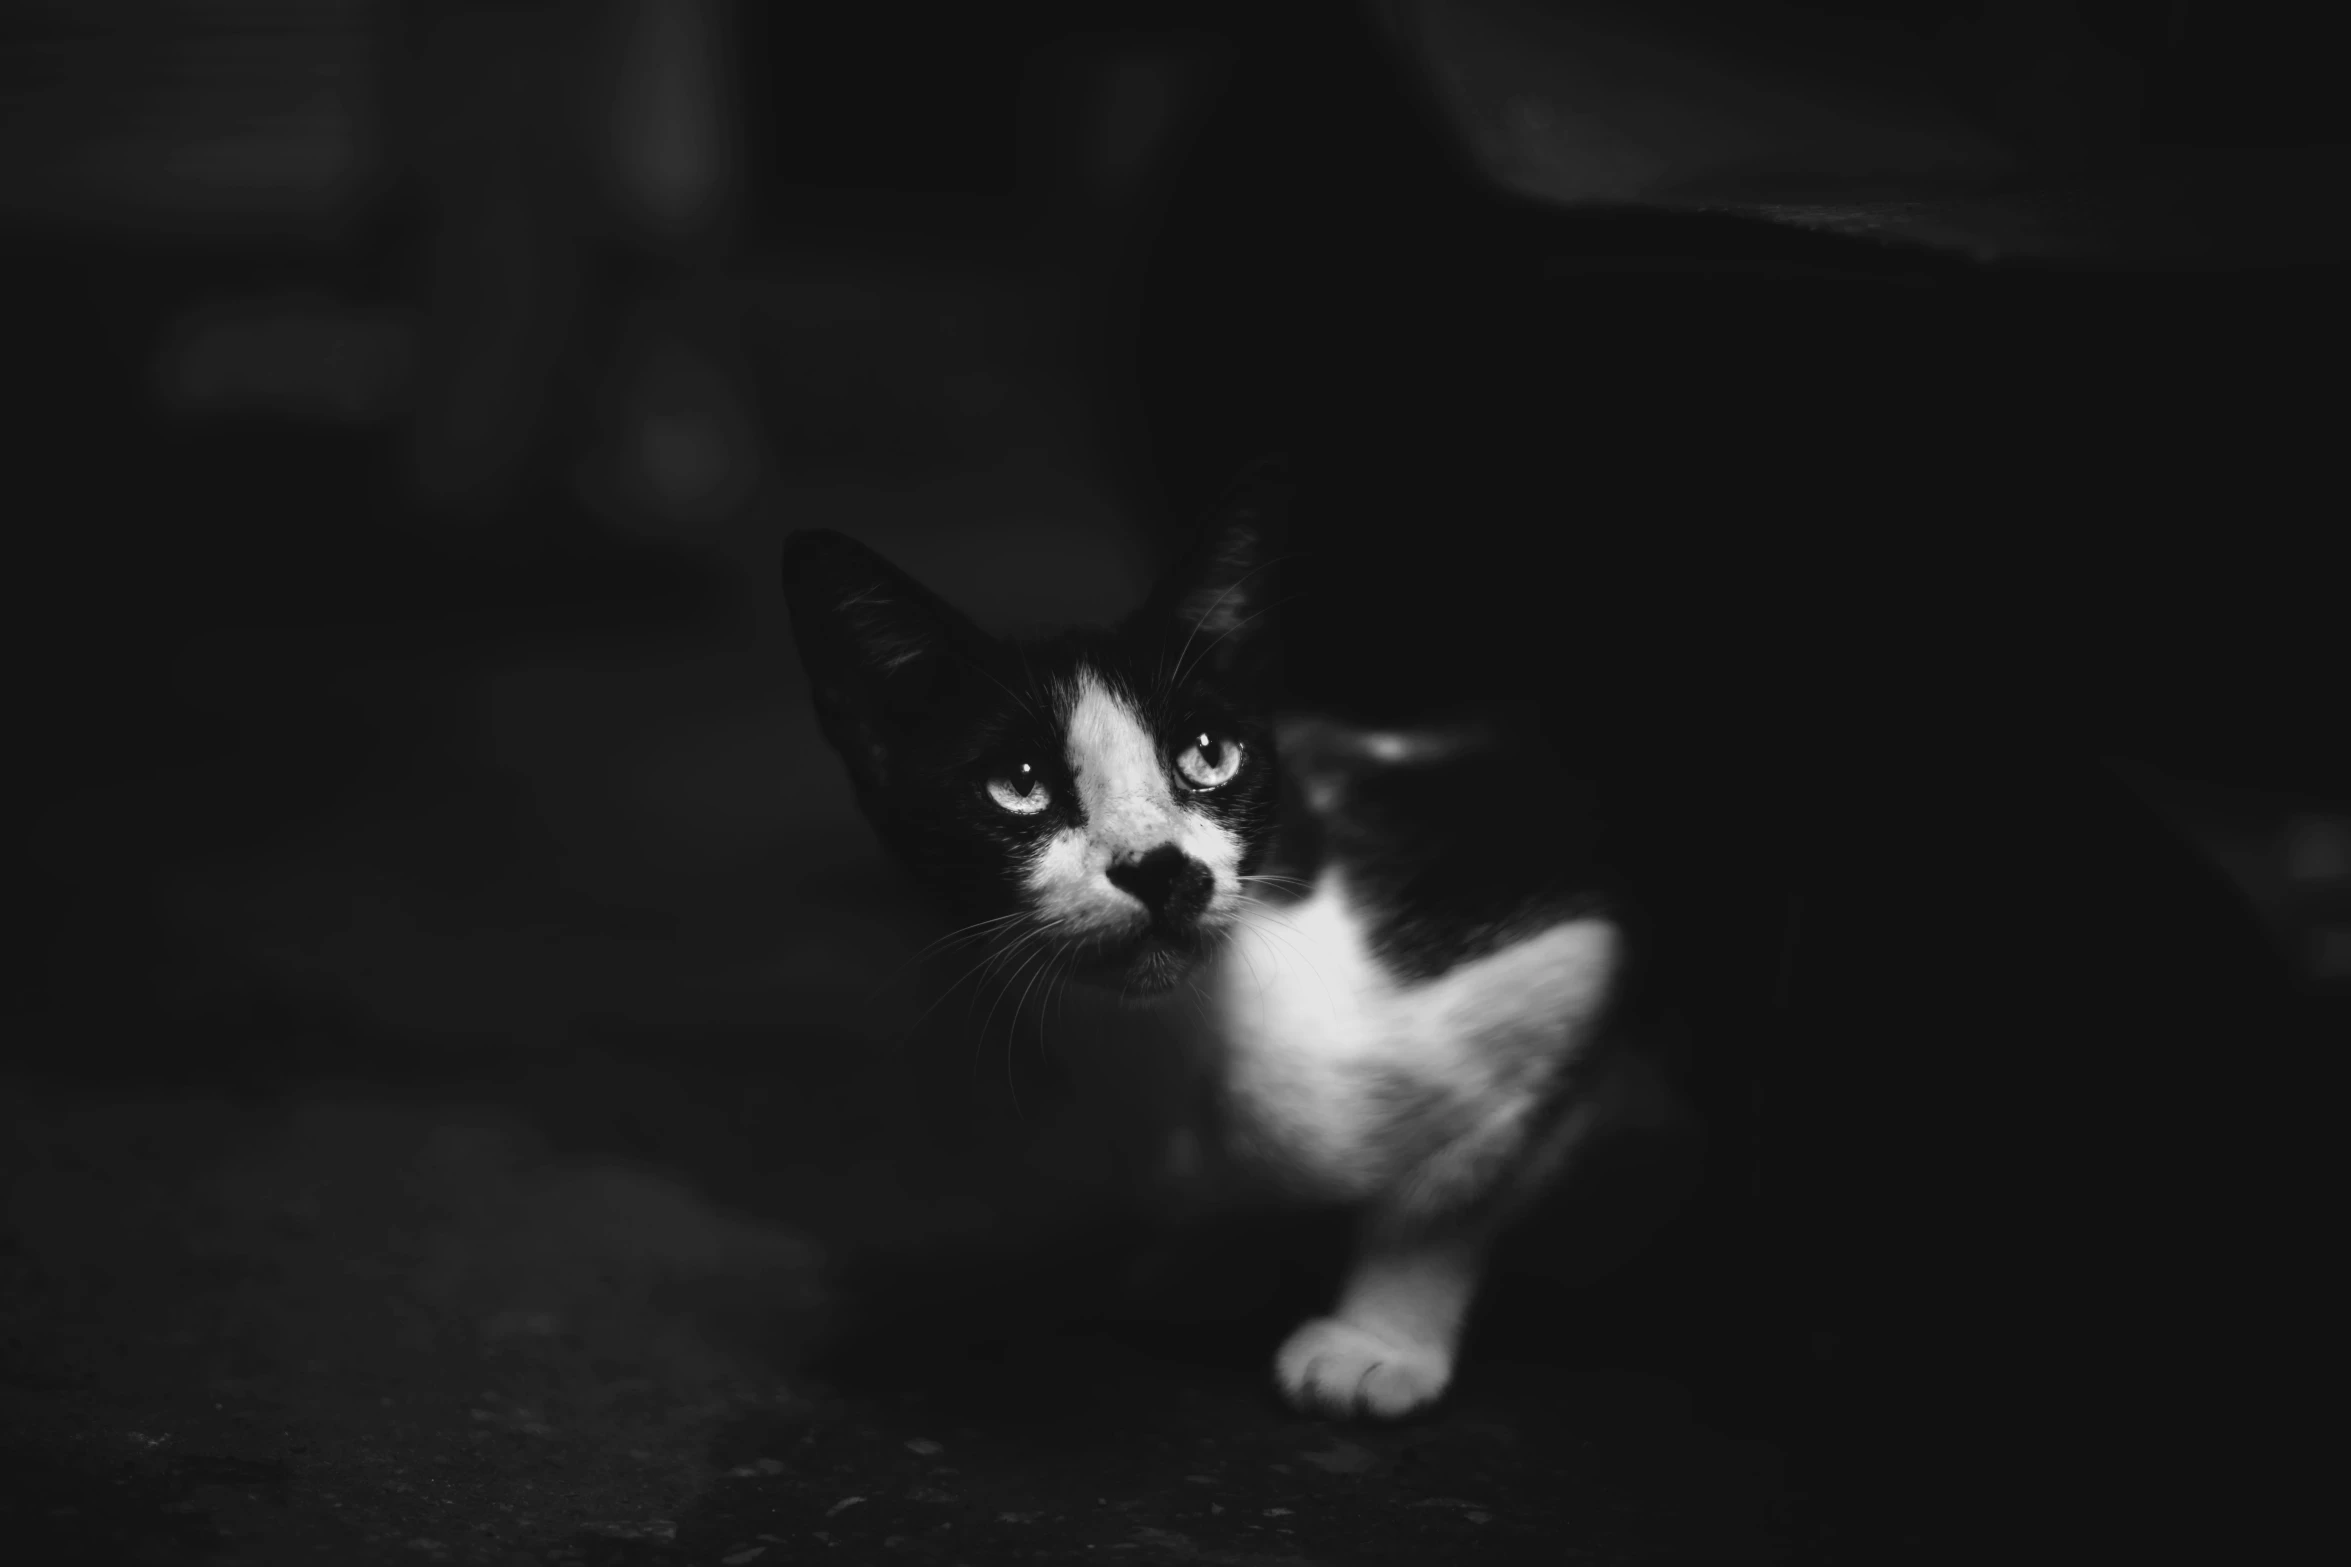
(877, 645)
(1221, 599)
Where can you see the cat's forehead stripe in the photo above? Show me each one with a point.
(1111, 751)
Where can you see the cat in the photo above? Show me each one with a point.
(1397, 953)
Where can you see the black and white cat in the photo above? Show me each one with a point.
(1396, 951)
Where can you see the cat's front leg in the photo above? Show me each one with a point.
(1388, 1349)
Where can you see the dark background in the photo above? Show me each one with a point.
(461, 1041)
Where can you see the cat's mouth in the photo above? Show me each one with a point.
(1146, 965)
(1157, 968)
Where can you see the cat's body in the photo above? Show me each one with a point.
(1416, 1036)
(1832, 557)
(1396, 957)
(1404, 1031)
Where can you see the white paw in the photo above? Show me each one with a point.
(1331, 1367)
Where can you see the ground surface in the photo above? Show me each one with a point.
(368, 1332)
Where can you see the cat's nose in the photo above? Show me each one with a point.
(1167, 881)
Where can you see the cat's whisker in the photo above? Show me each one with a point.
(975, 972)
(983, 1033)
(978, 930)
(1021, 701)
(1026, 937)
(975, 975)
(1053, 976)
(1013, 1033)
(1238, 948)
(1012, 1087)
(1059, 992)
(967, 932)
(1068, 983)
(1183, 670)
(1038, 953)
(936, 1001)
(1214, 605)
(1297, 949)
(1201, 1004)
(999, 957)
(954, 938)
(1050, 958)
(1271, 931)
(1022, 942)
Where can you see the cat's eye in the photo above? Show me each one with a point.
(1021, 791)
(1208, 761)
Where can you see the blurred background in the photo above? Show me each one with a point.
(432, 913)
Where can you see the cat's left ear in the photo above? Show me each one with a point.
(877, 647)
(1222, 598)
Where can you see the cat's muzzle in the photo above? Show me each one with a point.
(1150, 962)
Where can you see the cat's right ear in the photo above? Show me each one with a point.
(876, 644)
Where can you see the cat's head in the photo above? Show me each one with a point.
(1100, 795)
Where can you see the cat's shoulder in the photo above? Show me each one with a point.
(1458, 835)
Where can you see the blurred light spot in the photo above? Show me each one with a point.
(204, 112)
(295, 356)
(2318, 848)
(310, 151)
(1138, 110)
(684, 457)
(691, 454)
(2330, 953)
(1578, 157)
(669, 142)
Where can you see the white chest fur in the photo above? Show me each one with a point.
(1353, 1083)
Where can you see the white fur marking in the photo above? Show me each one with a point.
(1130, 809)
(1315, 1025)
(1388, 1349)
